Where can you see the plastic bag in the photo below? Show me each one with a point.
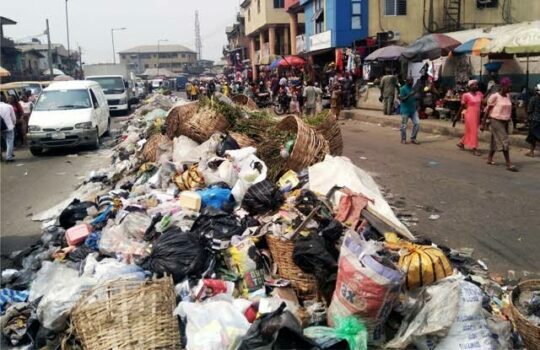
(182, 148)
(227, 144)
(252, 170)
(155, 114)
(245, 259)
(212, 325)
(218, 227)
(262, 197)
(217, 197)
(349, 328)
(110, 269)
(60, 287)
(116, 239)
(75, 211)
(177, 253)
(276, 330)
(367, 285)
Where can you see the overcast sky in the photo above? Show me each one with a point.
(90, 23)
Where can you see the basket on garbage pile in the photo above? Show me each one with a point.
(151, 150)
(331, 131)
(527, 329)
(125, 314)
(242, 140)
(204, 124)
(309, 148)
(177, 118)
(303, 283)
(244, 101)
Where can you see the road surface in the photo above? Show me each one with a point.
(478, 206)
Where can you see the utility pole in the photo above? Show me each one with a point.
(198, 41)
(80, 63)
(49, 52)
(112, 37)
(67, 32)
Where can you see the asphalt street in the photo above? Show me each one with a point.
(471, 204)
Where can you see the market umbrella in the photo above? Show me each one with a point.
(290, 61)
(56, 71)
(472, 47)
(387, 53)
(4, 72)
(275, 63)
(62, 77)
(431, 46)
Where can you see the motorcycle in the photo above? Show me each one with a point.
(263, 100)
(282, 104)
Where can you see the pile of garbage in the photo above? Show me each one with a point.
(194, 243)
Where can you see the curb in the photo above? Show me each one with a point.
(394, 121)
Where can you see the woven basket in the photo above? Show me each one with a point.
(528, 331)
(125, 314)
(309, 148)
(204, 124)
(331, 131)
(177, 118)
(303, 283)
(151, 150)
(242, 140)
(244, 101)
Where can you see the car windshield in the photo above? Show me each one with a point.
(63, 99)
(110, 85)
(34, 88)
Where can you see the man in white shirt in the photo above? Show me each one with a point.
(7, 114)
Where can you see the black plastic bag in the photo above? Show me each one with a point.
(262, 197)
(80, 253)
(227, 144)
(312, 256)
(276, 330)
(75, 211)
(217, 226)
(177, 253)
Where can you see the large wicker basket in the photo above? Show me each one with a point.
(309, 148)
(242, 139)
(125, 314)
(303, 283)
(528, 331)
(152, 149)
(244, 100)
(331, 131)
(177, 118)
(204, 124)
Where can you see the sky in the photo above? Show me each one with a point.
(147, 21)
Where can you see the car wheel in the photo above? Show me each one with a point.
(97, 141)
(36, 151)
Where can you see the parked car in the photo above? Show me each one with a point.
(34, 86)
(67, 114)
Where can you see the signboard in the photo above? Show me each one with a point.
(320, 41)
(301, 43)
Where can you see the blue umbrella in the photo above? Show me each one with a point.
(275, 64)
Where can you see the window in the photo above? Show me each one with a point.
(279, 4)
(146, 65)
(356, 14)
(94, 99)
(318, 16)
(258, 6)
(62, 100)
(183, 55)
(395, 7)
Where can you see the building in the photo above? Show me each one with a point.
(236, 49)
(334, 23)
(35, 57)
(407, 20)
(267, 26)
(10, 56)
(175, 58)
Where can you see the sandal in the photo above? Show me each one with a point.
(490, 162)
(476, 153)
(512, 168)
(461, 146)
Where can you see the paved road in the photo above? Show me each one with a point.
(34, 184)
(483, 207)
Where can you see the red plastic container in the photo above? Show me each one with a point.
(78, 234)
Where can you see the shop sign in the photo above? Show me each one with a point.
(320, 41)
(301, 43)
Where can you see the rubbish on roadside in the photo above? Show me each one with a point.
(350, 329)
(525, 311)
(74, 212)
(78, 233)
(190, 200)
(434, 217)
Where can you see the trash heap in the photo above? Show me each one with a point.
(216, 227)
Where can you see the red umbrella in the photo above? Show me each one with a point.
(288, 61)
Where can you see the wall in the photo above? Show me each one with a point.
(520, 11)
(409, 26)
(164, 62)
(267, 15)
(340, 12)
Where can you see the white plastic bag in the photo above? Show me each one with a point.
(252, 170)
(212, 325)
(182, 148)
(61, 287)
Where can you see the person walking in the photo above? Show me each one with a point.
(8, 121)
(336, 99)
(311, 94)
(27, 107)
(533, 109)
(499, 112)
(471, 102)
(389, 84)
(408, 111)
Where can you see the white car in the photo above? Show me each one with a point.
(67, 114)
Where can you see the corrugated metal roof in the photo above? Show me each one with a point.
(154, 49)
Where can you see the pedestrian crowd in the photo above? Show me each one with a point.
(14, 117)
